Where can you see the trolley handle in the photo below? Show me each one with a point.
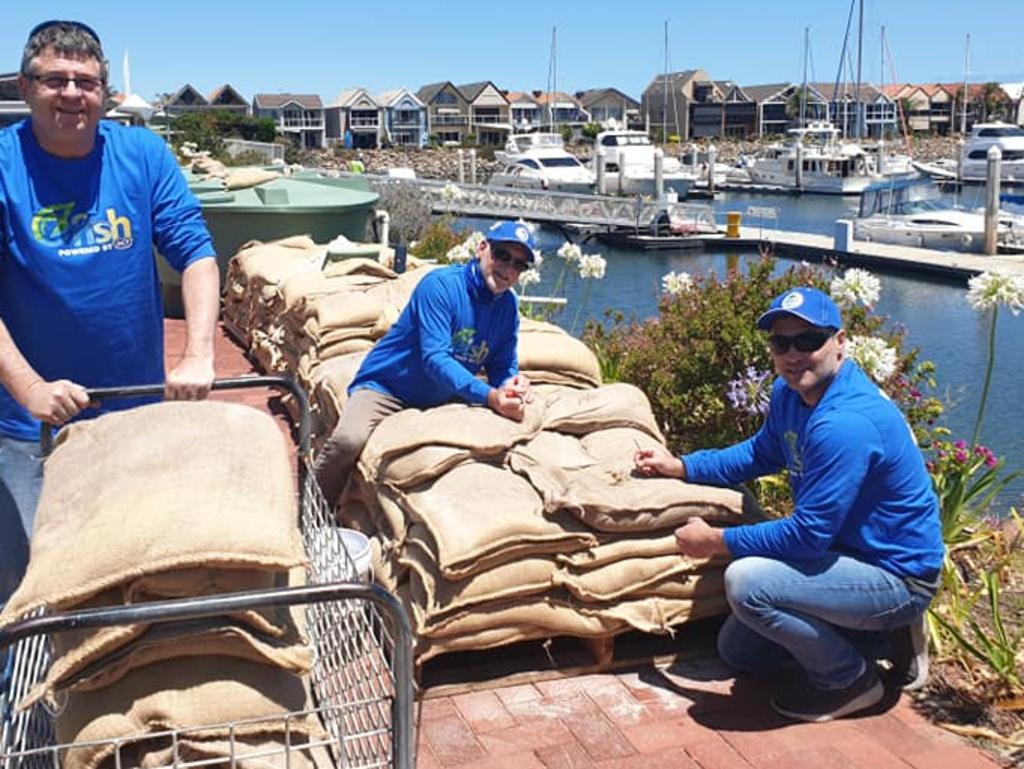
(283, 383)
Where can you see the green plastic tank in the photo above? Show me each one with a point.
(276, 209)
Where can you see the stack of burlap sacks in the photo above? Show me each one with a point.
(167, 501)
(489, 530)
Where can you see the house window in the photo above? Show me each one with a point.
(445, 97)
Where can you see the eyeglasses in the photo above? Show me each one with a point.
(57, 22)
(85, 84)
(505, 256)
(806, 341)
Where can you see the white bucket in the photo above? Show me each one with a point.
(328, 547)
(357, 545)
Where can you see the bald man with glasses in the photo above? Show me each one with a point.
(846, 578)
(82, 203)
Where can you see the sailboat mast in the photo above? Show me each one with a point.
(552, 76)
(664, 90)
(963, 108)
(860, 52)
(803, 96)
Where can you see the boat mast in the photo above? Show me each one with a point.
(803, 97)
(963, 108)
(552, 76)
(860, 51)
(664, 91)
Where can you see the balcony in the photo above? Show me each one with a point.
(364, 123)
(449, 120)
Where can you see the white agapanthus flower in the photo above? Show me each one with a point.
(529, 277)
(994, 288)
(675, 283)
(855, 287)
(460, 253)
(450, 193)
(474, 240)
(538, 259)
(874, 355)
(592, 266)
(570, 252)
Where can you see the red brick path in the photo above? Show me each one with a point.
(695, 717)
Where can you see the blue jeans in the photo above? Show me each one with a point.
(831, 616)
(21, 478)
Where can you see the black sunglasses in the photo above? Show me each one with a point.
(55, 22)
(806, 341)
(505, 255)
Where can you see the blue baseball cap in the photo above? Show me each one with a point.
(513, 232)
(809, 304)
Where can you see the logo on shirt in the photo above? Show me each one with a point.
(464, 350)
(77, 234)
(796, 464)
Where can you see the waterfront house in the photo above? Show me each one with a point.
(186, 99)
(12, 107)
(489, 117)
(665, 103)
(1015, 96)
(878, 109)
(227, 98)
(405, 118)
(560, 109)
(610, 104)
(447, 112)
(357, 116)
(778, 106)
(300, 117)
(524, 111)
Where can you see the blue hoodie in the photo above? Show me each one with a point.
(453, 328)
(859, 482)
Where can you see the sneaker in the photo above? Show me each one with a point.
(908, 656)
(807, 703)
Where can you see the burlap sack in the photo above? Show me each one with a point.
(616, 405)
(655, 614)
(207, 697)
(467, 541)
(607, 496)
(419, 466)
(546, 347)
(89, 660)
(612, 548)
(476, 428)
(438, 596)
(630, 576)
(243, 178)
(161, 487)
(240, 753)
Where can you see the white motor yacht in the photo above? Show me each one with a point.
(1009, 139)
(828, 165)
(540, 161)
(634, 153)
(911, 212)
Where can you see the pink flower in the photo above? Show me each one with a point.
(960, 456)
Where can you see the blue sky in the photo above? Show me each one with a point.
(307, 46)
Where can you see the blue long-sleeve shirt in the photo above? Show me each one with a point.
(859, 482)
(452, 328)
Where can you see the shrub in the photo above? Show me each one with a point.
(703, 362)
(591, 130)
(435, 243)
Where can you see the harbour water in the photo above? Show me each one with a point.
(935, 313)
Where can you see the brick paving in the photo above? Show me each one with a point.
(691, 715)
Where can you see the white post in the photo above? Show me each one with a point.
(599, 173)
(881, 157)
(461, 172)
(992, 181)
(622, 173)
(693, 158)
(472, 166)
(659, 174)
(960, 159)
(712, 151)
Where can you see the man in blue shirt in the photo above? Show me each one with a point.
(81, 205)
(461, 320)
(860, 555)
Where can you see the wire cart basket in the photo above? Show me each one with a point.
(360, 686)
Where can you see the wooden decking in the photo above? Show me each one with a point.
(690, 714)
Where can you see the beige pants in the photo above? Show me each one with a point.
(363, 411)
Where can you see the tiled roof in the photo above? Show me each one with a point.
(277, 100)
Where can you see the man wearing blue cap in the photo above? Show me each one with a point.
(857, 560)
(460, 320)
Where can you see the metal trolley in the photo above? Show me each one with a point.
(361, 683)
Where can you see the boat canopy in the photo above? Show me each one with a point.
(900, 197)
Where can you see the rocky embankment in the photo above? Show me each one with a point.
(443, 163)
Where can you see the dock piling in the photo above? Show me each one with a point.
(992, 184)
(659, 174)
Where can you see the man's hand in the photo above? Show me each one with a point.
(697, 539)
(55, 402)
(659, 461)
(519, 385)
(506, 402)
(190, 380)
